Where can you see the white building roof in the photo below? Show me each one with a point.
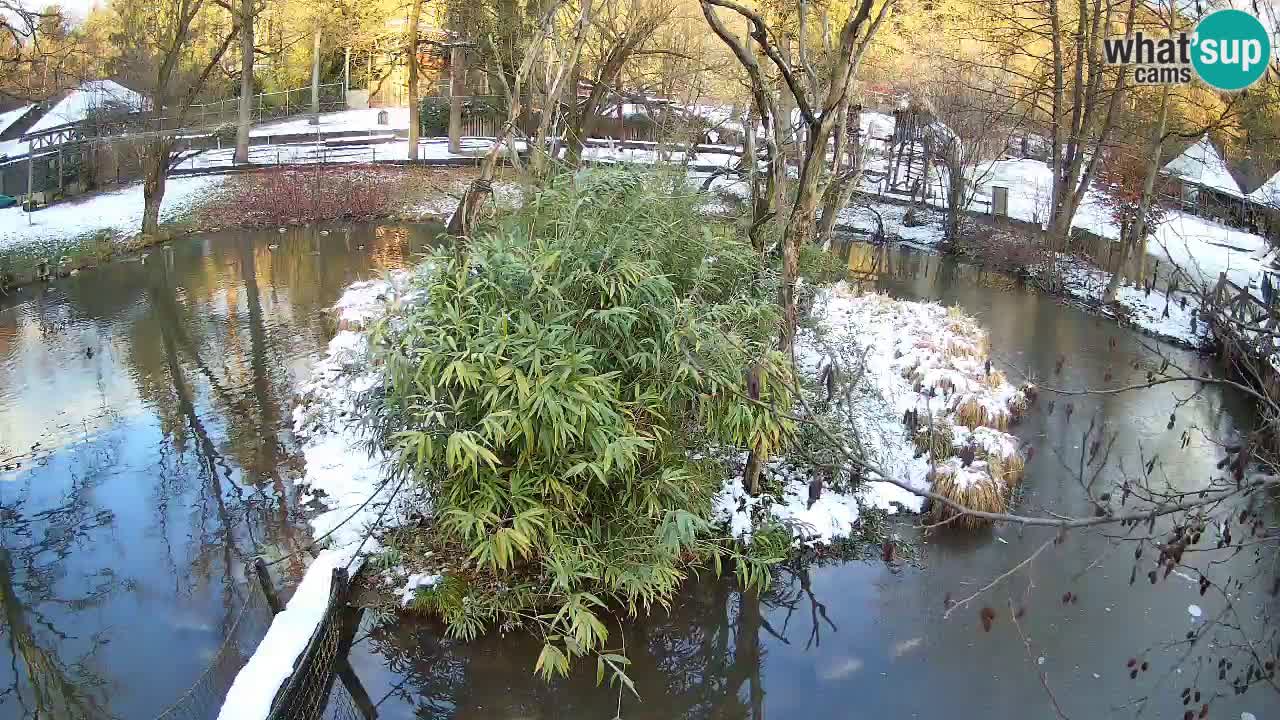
(12, 116)
(90, 96)
(1269, 193)
(1202, 165)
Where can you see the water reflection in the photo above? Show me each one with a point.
(145, 456)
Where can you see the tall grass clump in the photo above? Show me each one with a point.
(551, 390)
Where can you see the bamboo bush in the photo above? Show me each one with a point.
(549, 392)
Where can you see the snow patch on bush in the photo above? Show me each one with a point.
(900, 359)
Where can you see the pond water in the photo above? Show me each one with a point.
(147, 405)
(144, 413)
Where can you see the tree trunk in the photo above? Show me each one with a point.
(837, 193)
(155, 170)
(751, 473)
(411, 57)
(801, 224)
(1137, 236)
(577, 132)
(956, 200)
(246, 83)
(315, 74)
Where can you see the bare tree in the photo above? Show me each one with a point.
(166, 52)
(765, 188)
(1052, 54)
(557, 77)
(819, 119)
(463, 221)
(970, 131)
(621, 29)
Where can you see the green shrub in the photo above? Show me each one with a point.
(552, 392)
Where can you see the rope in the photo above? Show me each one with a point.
(378, 520)
(314, 543)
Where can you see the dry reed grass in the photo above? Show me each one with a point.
(972, 413)
(938, 440)
(986, 496)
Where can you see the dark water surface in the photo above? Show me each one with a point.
(144, 413)
(153, 467)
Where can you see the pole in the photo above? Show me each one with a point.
(457, 57)
(31, 174)
(264, 582)
(315, 74)
(346, 73)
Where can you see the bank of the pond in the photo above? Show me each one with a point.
(1169, 313)
(89, 231)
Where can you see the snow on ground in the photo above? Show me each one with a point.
(907, 357)
(1205, 248)
(1167, 315)
(416, 582)
(302, 153)
(1201, 247)
(363, 119)
(350, 480)
(118, 212)
(644, 156)
(868, 216)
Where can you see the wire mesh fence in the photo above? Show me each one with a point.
(322, 685)
(204, 698)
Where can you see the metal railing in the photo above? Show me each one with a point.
(267, 106)
(198, 117)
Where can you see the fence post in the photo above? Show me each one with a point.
(264, 582)
(31, 175)
(60, 168)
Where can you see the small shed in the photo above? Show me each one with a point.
(1203, 184)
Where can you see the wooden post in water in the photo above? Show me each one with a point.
(264, 582)
(350, 618)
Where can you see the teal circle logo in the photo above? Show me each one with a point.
(1231, 49)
